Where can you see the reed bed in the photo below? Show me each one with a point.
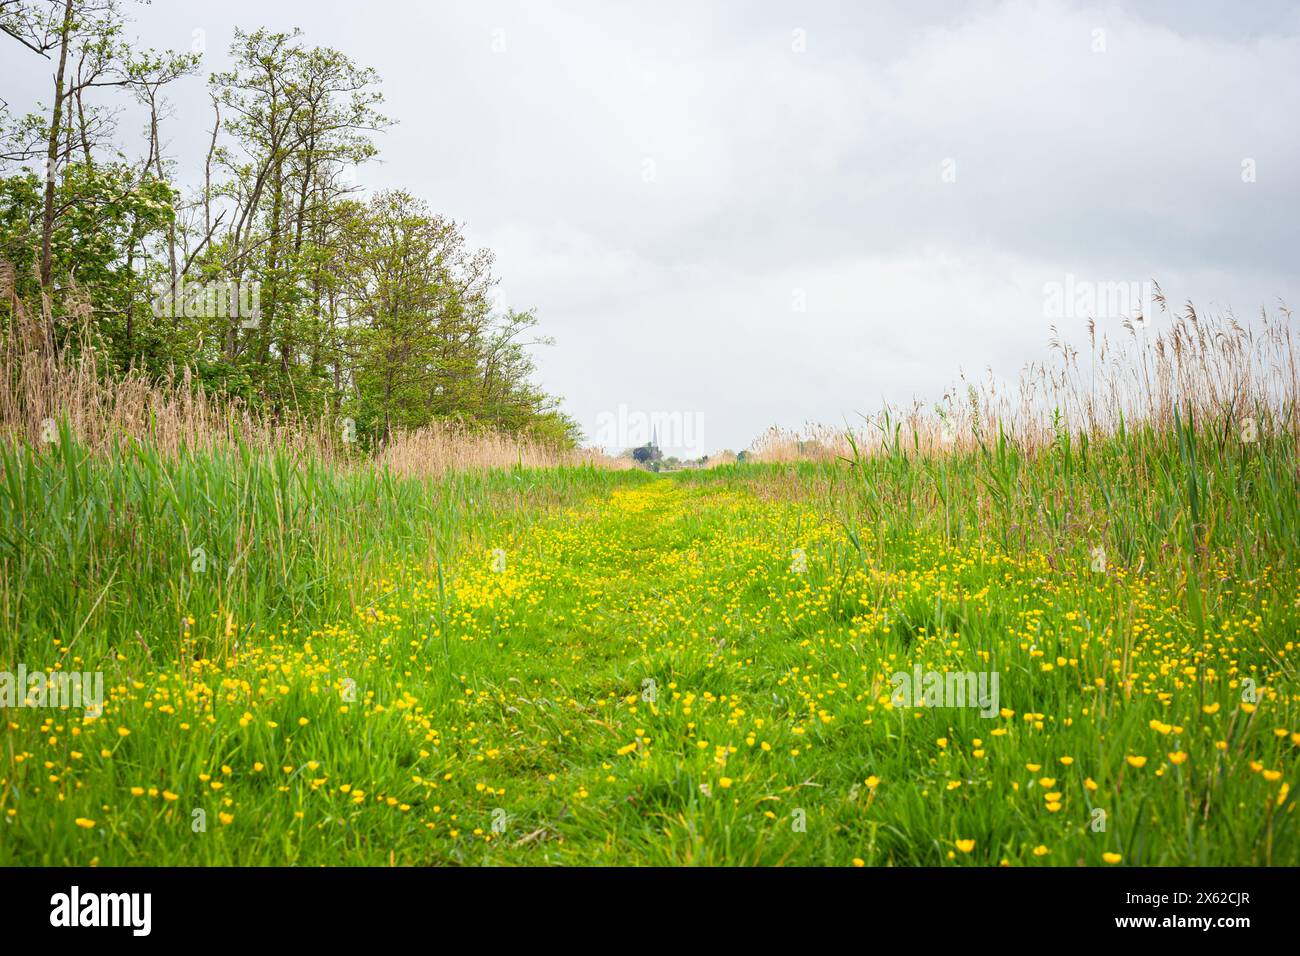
(1171, 362)
(1173, 448)
(44, 393)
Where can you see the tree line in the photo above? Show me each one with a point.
(274, 279)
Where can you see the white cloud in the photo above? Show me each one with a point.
(821, 171)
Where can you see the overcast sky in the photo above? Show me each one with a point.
(771, 213)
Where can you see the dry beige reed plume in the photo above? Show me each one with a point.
(176, 414)
(1137, 373)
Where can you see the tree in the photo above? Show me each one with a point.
(419, 341)
(648, 454)
(83, 38)
(298, 115)
(378, 307)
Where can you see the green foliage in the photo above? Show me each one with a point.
(372, 310)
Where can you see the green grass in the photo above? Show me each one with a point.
(652, 678)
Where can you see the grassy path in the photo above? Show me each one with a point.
(691, 673)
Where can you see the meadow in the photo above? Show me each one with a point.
(317, 661)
